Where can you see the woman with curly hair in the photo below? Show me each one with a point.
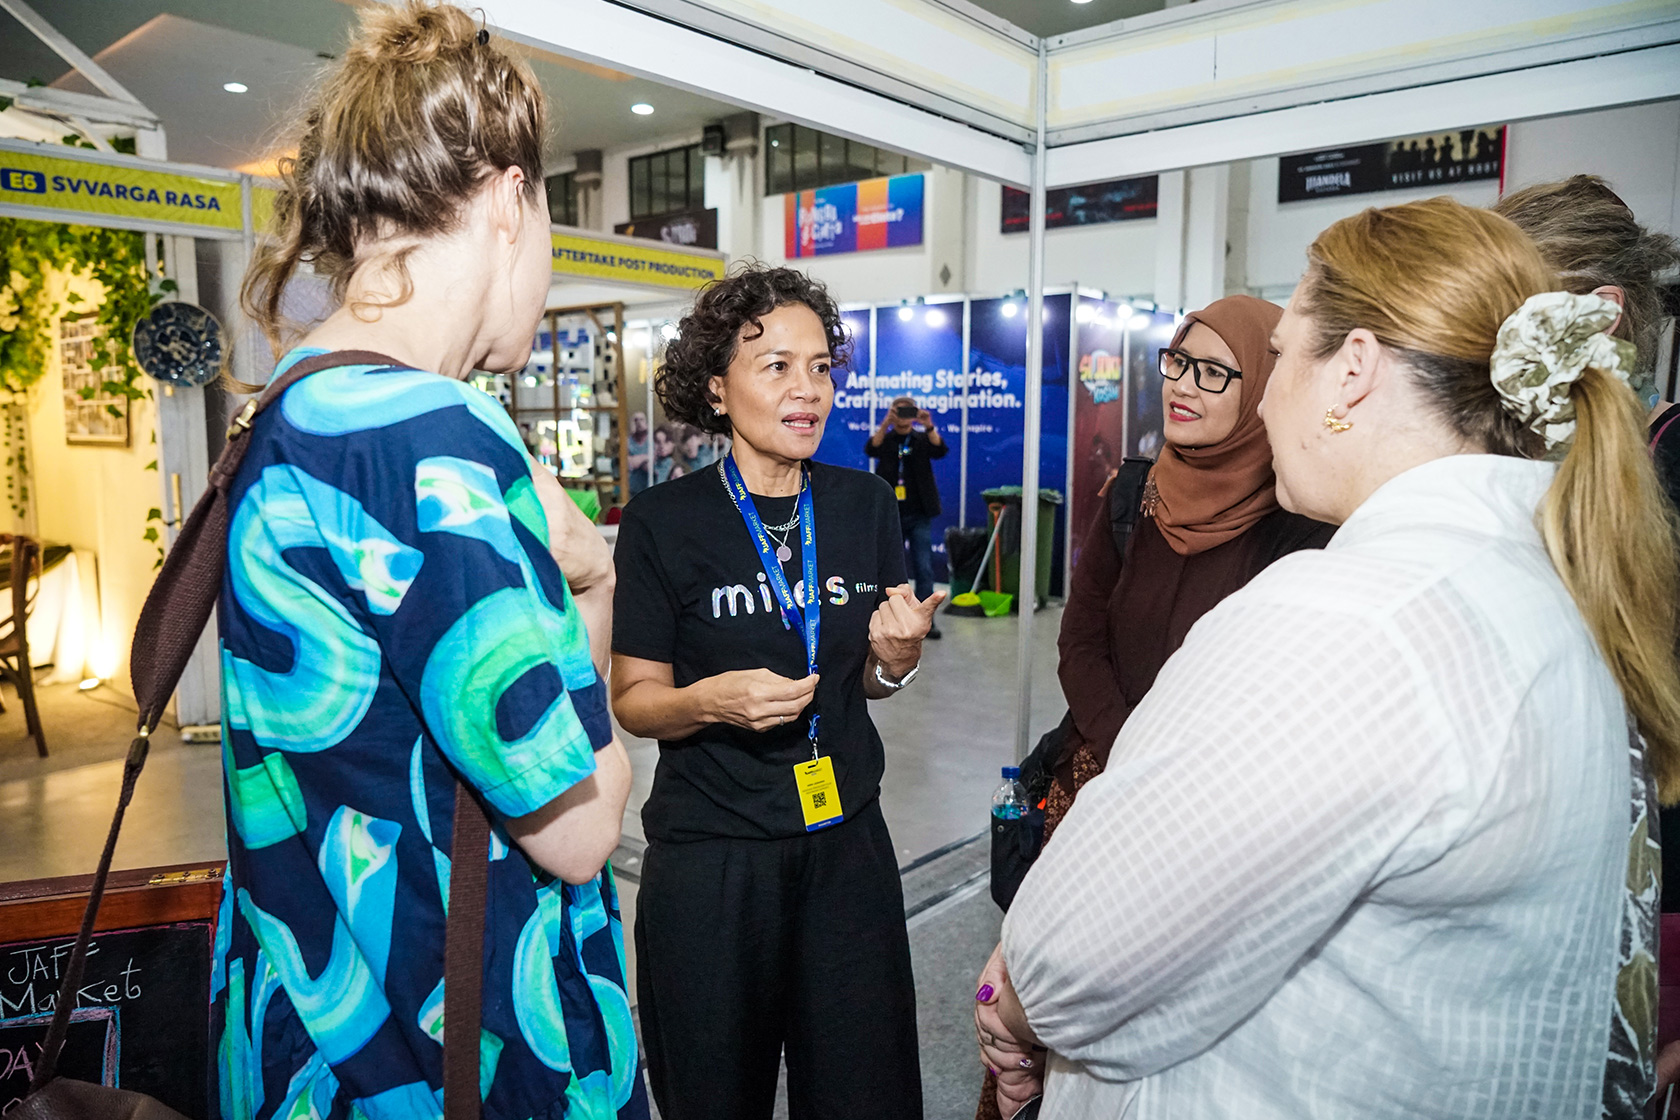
(760, 603)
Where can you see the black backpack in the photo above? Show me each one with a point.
(1016, 844)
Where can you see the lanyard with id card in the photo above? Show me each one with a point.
(903, 454)
(819, 793)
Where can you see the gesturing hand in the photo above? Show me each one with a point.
(898, 627)
(757, 699)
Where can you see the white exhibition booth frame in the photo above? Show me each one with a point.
(1189, 86)
(945, 81)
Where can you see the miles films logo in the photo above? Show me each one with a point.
(29, 182)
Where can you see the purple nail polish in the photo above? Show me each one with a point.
(1026, 1063)
(994, 1072)
(984, 994)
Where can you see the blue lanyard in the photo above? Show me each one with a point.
(808, 621)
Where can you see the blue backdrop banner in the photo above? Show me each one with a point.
(848, 422)
(997, 363)
(918, 353)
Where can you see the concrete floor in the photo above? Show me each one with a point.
(945, 739)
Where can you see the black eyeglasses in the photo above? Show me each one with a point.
(1211, 377)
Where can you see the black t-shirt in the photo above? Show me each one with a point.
(692, 592)
(914, 468)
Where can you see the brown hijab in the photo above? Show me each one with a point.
(1205, 496)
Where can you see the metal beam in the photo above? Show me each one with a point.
(1026, 591)
(1580, 86)
(676, 55)
(67, 50)
(63, 104)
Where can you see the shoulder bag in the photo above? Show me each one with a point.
(176, 612)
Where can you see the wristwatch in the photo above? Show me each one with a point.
(894, 686)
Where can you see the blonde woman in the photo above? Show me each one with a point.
(1377, 842)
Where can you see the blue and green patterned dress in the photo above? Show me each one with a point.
(391, 618)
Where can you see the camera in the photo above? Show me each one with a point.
(907, 411)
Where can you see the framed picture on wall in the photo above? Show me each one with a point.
(92, 416)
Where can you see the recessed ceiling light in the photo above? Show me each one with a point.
(236, 87)
(1081, 1)
(642, 109)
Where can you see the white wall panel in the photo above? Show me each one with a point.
(915, 42)
(628, 40)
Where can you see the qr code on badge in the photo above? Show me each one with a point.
(819, 799)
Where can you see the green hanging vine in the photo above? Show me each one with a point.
(29, 315)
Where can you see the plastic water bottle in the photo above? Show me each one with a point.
(1009, 803)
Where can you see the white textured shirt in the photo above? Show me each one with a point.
(1361, 851)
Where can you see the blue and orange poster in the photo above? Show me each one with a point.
(854, 217)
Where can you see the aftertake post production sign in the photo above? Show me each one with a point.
(854, 217)
(1431, 160)
(62, 188)
(626, 260)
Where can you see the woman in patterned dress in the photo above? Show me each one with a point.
(394, 621)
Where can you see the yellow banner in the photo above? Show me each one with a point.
(93, 188)
(626, 262)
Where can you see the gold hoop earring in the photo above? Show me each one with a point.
(1334, 424)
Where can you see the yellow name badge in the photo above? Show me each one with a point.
(819, 794)
(901, 492)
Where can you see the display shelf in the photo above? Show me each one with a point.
(577, 360)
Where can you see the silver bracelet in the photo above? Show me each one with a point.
(902, 682)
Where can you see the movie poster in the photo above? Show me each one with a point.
(848, 421)
(1119, 200)
(918, 353)
(997, 366)
(1099, 410)
(1435, 159)
(853, 217)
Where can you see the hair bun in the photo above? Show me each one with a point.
(411, 34)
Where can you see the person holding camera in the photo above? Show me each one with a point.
(904, 448)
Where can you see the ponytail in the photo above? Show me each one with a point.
(1611, 534)
(1514, 367)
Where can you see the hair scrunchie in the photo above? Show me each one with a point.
(1544, 347)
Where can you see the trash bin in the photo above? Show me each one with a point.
(963, 551)
(1004, 569)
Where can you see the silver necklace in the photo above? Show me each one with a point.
(783, 552)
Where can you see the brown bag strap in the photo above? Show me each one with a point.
(177, 610)
(463, 957)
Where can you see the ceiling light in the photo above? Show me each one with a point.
(935, 317)
(1123, 311)
(904, 313)
(1011, 309)
(642, 109)
(1085, 313)
(1081, 1)
(236, 87)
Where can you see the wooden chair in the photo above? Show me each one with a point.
(14, 647)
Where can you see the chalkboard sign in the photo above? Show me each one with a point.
(91, 1047)
(154, 983)
(142, 1017)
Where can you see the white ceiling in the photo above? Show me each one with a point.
(1058, 17)
(175, 54)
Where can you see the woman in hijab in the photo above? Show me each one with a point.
(1209, 521)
